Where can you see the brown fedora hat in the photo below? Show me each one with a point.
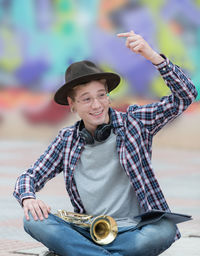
(82, 72)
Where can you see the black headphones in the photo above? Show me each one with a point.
(101, 133)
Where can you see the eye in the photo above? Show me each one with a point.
(86, 100)
(102, 95)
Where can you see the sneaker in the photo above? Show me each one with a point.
(49, 253)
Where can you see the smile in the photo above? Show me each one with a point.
(96, 113)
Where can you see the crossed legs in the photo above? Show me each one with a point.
(66, 239)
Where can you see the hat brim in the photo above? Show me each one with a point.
(112, 80)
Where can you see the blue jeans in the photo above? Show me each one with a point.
(66, 239)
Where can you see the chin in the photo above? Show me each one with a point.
(100, 121)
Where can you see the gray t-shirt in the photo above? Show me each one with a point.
(103, 185)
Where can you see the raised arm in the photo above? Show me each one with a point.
(155, 116)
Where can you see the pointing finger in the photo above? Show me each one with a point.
(126, 34)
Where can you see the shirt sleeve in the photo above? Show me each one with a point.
(46, 167)
(183, 93)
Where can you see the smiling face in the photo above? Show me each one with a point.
(91, 103)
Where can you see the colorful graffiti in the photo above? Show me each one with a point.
(39, 39)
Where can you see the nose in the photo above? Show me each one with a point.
(95, 103)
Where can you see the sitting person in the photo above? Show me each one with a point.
(106, 162)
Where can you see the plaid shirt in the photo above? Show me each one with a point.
(134, 131)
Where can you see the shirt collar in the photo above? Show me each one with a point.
(116, 118)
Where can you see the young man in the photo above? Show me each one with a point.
(106, 161)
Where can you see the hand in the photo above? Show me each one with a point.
(137, 44)
(37, 208)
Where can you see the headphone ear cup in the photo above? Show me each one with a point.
(102, 132)
(87, 136)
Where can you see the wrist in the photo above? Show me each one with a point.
(25, 199)
(156, 58)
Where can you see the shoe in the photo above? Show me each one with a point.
(50, 253)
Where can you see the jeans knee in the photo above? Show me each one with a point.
(167, 230)
(154, 239)
(31, 225)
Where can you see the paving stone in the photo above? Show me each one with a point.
(39, 251)
(184, 247)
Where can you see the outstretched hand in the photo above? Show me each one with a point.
(137, 44)
(37, 208)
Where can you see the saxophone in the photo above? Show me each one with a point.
(103, 228)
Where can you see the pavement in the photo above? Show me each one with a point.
(178, 172)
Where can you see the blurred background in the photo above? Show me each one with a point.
(39, 39)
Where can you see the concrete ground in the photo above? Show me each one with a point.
(178, 172)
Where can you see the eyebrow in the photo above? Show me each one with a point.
(86, 93)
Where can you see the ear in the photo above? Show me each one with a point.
(109, 99)
(71, 104)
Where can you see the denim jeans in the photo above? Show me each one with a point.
(66, 239)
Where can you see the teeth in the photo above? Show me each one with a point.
(96, 114)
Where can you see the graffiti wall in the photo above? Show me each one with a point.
(39, 39)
